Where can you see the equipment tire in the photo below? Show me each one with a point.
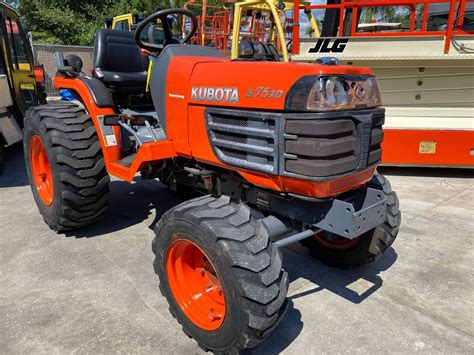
(345, 253)
(246, 263)
(60, 142)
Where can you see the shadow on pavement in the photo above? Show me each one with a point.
(130, 204)
(354, 285)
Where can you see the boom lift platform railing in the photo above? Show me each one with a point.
(457, 11)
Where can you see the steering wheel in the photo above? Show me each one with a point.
(162, 16)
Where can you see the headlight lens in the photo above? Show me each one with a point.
(338, 93)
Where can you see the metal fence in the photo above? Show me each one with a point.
(44, 55)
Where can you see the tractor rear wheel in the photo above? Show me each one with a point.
(65, 165)
(220, 272)
(342, 252)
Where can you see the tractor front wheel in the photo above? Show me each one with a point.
(342, 252)
(220, 272)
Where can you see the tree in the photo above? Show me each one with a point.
(73, 22)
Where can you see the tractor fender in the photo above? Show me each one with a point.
(100, 94)
(98, 104)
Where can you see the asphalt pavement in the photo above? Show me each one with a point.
(94, 290)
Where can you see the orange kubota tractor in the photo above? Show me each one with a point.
(281, 152)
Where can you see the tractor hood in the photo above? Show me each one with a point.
(259, 85)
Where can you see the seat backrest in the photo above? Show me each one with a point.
(116, 51)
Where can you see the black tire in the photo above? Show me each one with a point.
(249, 265)
(370, 245)
(80, 180)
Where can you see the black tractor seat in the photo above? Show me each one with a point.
(118, 62)
(123, 79)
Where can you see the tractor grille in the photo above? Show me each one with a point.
(312, 146)
(243, 138)
(376, 139)
(327, 147)
(320, 147)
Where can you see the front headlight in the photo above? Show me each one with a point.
(334, 93)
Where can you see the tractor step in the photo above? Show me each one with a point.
(127, 161)
(127, 167)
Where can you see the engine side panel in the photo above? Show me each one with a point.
(176, 98)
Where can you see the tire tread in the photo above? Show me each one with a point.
(263, 284)
(80, 168)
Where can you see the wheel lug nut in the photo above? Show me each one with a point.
(213, 316)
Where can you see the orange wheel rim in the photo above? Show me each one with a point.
(337, 243)
(41, 170)
(195, 284)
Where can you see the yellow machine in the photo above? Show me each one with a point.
(21, 83)
(124, 22)
(274, 8)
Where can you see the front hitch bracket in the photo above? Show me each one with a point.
(346, 221)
